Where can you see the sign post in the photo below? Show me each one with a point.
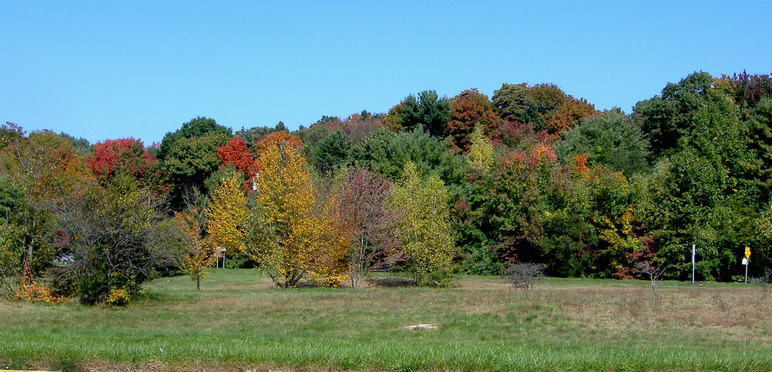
(694, 253)
(746, 261)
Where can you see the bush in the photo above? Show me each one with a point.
(524, 275)
(34, 291)
(118, 297)
(117, 247)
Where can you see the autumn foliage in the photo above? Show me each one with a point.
(534, 175)
(424, 227)
(369, 224)
(124, 155)
(469, 110)
(197, 254)
(227, 215)
(291, 236)
(237, 153)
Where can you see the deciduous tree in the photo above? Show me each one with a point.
(189, 155)
(369, 224)
(480, 154)
(111, 245)
(121, 156)
(237, 154)
(286, 235)
(469, 110)
(227, 215)
(196, 255)
(424, 230)
(545, 106)
(44, 169)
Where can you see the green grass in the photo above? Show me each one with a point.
(237, 322)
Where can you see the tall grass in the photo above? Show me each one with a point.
(237, 322)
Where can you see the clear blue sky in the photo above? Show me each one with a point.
(112, 69)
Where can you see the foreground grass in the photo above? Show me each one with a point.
(238, 322)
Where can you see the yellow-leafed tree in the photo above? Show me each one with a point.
(196, 255)
(288, 233)
(480, 155)
(227, 215)
(329, 262)
(425, 230)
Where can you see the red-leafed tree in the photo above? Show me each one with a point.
(237, 153)
(122, 156)
(369, 224)
(469, 109)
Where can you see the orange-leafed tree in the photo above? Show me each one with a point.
(196, 255)
(280, 138)
(469, 110)
(571, 112)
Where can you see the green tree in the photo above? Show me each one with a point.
(388, 152)
(708, 185)
(427, 110)
(513, 101)
(681, 198)
(759, 165)
(81, 145)
(331, 152)
(189, 155)
(667, 118)
(611, 139)
(523, 208)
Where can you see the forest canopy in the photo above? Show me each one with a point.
(434, 187)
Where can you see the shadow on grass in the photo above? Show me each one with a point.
(392, 282)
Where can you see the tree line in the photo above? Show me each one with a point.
(435, 187)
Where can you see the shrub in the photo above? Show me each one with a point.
(524, 275)
(32, 291)
(118, 297)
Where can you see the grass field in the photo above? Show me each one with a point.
(236, 322)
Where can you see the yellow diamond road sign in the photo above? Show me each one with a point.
(748, 253)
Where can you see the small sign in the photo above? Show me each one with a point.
(748, 253)
(745, 261)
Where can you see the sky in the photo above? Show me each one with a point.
(114, 69)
